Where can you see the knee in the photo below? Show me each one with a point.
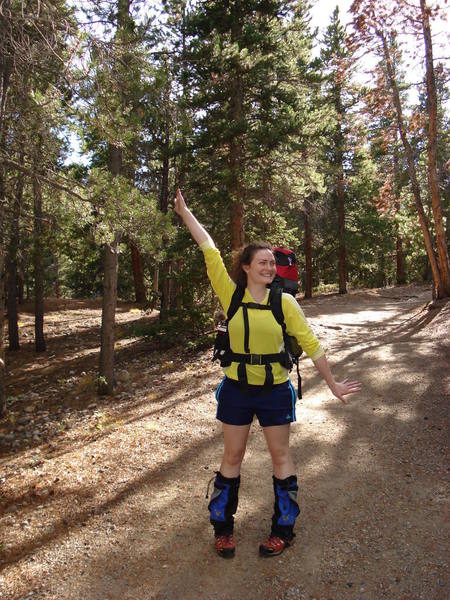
(234, 456)
(280, 456)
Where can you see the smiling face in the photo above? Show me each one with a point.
(261, 269)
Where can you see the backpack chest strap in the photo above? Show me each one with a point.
(256, 306)
(245, 307)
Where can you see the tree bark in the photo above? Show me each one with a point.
(173, 286)
(412, 169)
(308, 252)
(164, 206)
(57, 279)
(20, 286)
(2, 304)
(340, 191)
(400, 262)
(138, 274)
(342, 266)
(109, 303)
(7, 60)
(163, 279)
(20, 283)
(106, 371)
(237, 225)
(433, 178)
(39, 339)
(11, 261)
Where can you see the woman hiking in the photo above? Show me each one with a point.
(254, 385)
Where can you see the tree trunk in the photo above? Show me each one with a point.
(236, 155)
(138, 274)
(381, 273)
(400, 271)
(110, 266)
(111, 260)
(308, 253)
(340, 190)
(20, 285)
(164, 206)
(342, 266)
(140, 293)
(6, 62)
(433, 179)
(6, 68)
(57, 280)
(39, 339)
(237, 225)
(2, 304)
(13, 327)
(163, 278)
(106, 370)
(412, 170)
(156, 278)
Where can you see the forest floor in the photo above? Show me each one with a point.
(104, 498)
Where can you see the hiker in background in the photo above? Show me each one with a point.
(254, 385)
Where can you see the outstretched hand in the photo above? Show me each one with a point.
(179, 203)
(344, 388)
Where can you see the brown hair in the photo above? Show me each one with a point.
(245, 257)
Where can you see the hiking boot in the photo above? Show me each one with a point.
(273, 546)
(225, 546)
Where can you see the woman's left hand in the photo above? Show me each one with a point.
(344, 388)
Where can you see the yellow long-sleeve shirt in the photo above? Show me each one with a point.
(266, 336)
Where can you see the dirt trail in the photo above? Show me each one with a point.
(108, 503)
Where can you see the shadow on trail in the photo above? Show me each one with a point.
(63, 352)
(153, 477)
(417, 322)
(73, 304)
(403, 332)
(121, 409)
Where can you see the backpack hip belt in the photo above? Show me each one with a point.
(260, 359)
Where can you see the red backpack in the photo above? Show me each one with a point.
(287, 272)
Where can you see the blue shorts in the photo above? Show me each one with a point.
(272, 407)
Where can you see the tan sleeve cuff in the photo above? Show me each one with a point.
(207, 244)
(317, 354)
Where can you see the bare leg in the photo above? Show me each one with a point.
(277, 438)
(234, 444)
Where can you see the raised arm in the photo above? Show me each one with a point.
(197, 230)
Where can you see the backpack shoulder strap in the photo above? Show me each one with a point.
(275, 305)
(236, 300)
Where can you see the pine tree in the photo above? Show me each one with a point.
(376, 23)
(338, 64)
(241, 97)
(387, 151)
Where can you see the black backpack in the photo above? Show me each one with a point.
(287, 358)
